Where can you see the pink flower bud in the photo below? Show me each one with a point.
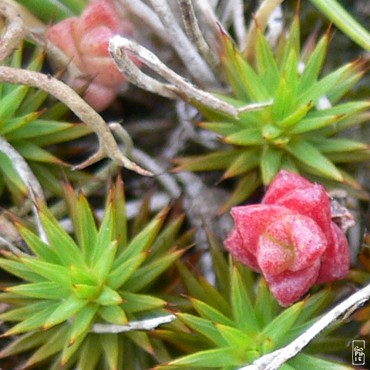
(290, 238)
(85, 40)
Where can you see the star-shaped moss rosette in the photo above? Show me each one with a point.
(103, 275)
(238, 321)
(30, 124)
(296, 132)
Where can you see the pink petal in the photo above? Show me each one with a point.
(289, 286)
(101, 13)
(96, 42)
(234, 244)
(313, 202)
(283, 184)
(335, 262)
(291, 243)
(62, 35)
(251, 221)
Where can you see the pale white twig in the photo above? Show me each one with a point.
(107, 144)
(274, 360)
(123, 136)
(167, 180)
(118, 45)
(196, 66)
(15, 30)
(29, 179)
(195, 34)
(149, 324)
(239, 22)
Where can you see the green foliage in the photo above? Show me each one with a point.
(29, 128)
(293, 133)
(240, 321)
(54, 10)
(101, 275)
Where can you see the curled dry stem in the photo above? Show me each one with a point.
(15, 30)
(118, 46)
(107, 144)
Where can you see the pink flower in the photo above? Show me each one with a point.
(85, 40)
(290, 238)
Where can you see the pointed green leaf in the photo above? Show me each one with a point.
(50, 347)
(24, 312)
(277, 329)
(68, 251)
(333, 145)
(42, 290)
(85, 291)
(243, 311)
(20, 270)
(113, 314)
(243, 163)
(42, 250)
(295, 117)
(147, 274)
(140, 302)
(65, 310)
(11, 101)
(123, 272)
(16, 124)
(33, 152)
(310, 156)
(303, 361)
(266, 63)
(207, 162)
(111, 350)
(35, 321)
(266, 307)
(82, 322)
(49, 271)
(108, 297)
(205, 327)
(213, 358)
(83, 221)
(221, 128)
(248, 136)
(27, 341)
(70, 349)
(237, 339)
(90, 353)
(142, 241)
(208, 312)
(104, 264)
(270, 163)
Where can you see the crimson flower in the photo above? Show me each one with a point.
(290, 238)
(85, 40)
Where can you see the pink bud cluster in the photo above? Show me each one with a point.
(290, 238)
(85, 41)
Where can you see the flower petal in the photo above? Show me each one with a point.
(313, 202)
(336, 260)
(289, 286)
(292, 243)
(250, 222)
(234, 244)
(283, 184)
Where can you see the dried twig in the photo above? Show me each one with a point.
(260, 20)
(119, 45)
(107, 144)
(195, 34)
(183, 47)
(15, 30)
(148, 324)
(274, 360)
(239, 22)
(29, 179)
